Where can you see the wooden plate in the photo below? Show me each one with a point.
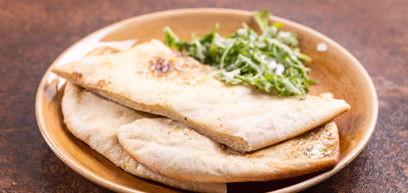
(334, 67)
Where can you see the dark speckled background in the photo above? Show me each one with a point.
(34, 33)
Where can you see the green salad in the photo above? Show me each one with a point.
(270, 61)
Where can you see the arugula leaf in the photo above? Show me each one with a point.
(172, 40)
(262, 18)
(270, 61)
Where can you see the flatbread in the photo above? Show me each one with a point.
(151, 77)
(176, 151)
(95, 120)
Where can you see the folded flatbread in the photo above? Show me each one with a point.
(95, 120)
(151, 77)
(176, 151)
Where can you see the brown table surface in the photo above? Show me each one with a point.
(34, 33)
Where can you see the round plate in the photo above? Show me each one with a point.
(335, 68)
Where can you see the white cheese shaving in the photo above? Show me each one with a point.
(230, 75)
(321, 47)
(284, 34)
(279, 69)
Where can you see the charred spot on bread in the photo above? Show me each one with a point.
(77, 75)
(102, 83)
(161, 66)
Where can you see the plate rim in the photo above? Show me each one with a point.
(109, 28)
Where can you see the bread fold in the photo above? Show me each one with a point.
(174, 150)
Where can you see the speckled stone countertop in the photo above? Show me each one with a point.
(34, 33)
